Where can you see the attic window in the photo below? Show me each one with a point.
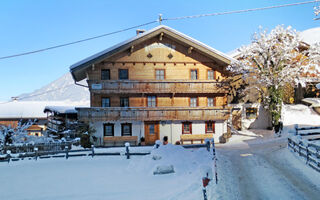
(149, 55)
(170, 56)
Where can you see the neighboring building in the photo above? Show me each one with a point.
(62, 120)
(159, 83)
(12, 113)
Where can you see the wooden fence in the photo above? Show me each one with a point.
(42, 153)
(310, 151)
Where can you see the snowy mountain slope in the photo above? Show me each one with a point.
(62, 89)
(311, 36)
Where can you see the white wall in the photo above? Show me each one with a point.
(137, 129)
(172, 130)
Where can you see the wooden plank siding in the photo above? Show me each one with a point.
(162, 101)
(172, 94)
(153, 114)
(165, 86)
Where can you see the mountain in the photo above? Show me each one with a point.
(62, 89)
(311, 36)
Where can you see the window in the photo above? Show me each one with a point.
(108, 130)
(152, 101)
(210, 102)
(126, 129)
(187, 128)
(123, 74)
(105, 74)
(210, 127)
(210, 75)
(105, 102)
(193, 102)
(124, 101)
(160, 74)
(194, 74)
(151, 129)
(251, 113)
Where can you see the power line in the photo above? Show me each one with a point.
(78, 41)
(240, 11)
(155, 21)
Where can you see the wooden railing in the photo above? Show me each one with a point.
(159, 86)
(153, 114)
(310, 152)
(302, 144)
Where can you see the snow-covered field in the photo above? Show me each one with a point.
(110, 177)
(253, 165)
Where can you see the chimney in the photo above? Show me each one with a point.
(139, 31)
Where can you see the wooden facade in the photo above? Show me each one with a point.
(161, 75)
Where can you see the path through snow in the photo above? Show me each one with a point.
(263, 168)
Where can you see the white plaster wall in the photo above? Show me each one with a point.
(220, 128)
(198, 127)
(176, 131)
(171, 129)
(165, 130)
(137, 129)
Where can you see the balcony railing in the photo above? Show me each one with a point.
(159, 86)
(153, 114)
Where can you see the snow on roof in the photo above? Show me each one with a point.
(61, 109)
(311, 36)
(31, 109)
(119, 45)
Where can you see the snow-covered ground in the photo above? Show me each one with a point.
(253, 165)
(107, 177)
(262, 167)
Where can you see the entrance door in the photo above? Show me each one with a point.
(151, 132)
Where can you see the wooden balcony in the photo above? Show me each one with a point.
(159, 86)
(153, 114)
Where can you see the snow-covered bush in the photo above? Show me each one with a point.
(19, 135)
(274, 60)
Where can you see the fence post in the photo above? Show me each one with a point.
(299, 149)
(307, 154)
(127, 144)
(296, 126)
(92, 147)
(207, 144)
(214, 160)
(67, 152)
(36, 152)
(8, 155)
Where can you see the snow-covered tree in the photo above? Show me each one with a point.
(274, 60)
(316, 10)
(19, 135)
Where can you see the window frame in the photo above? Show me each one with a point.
(119, 72)
(253, 114)
(190, 127)
(213, 101)
(155, 101)
(156, 76)
(213, 75)
(197, 102)
(109, 78)
(197, 71)
(102, 105)
(121, 101)
(213, 127)
(122, 128)
(104, 129)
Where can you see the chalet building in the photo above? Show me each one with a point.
(159, 83)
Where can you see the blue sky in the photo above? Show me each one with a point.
(28, 25)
